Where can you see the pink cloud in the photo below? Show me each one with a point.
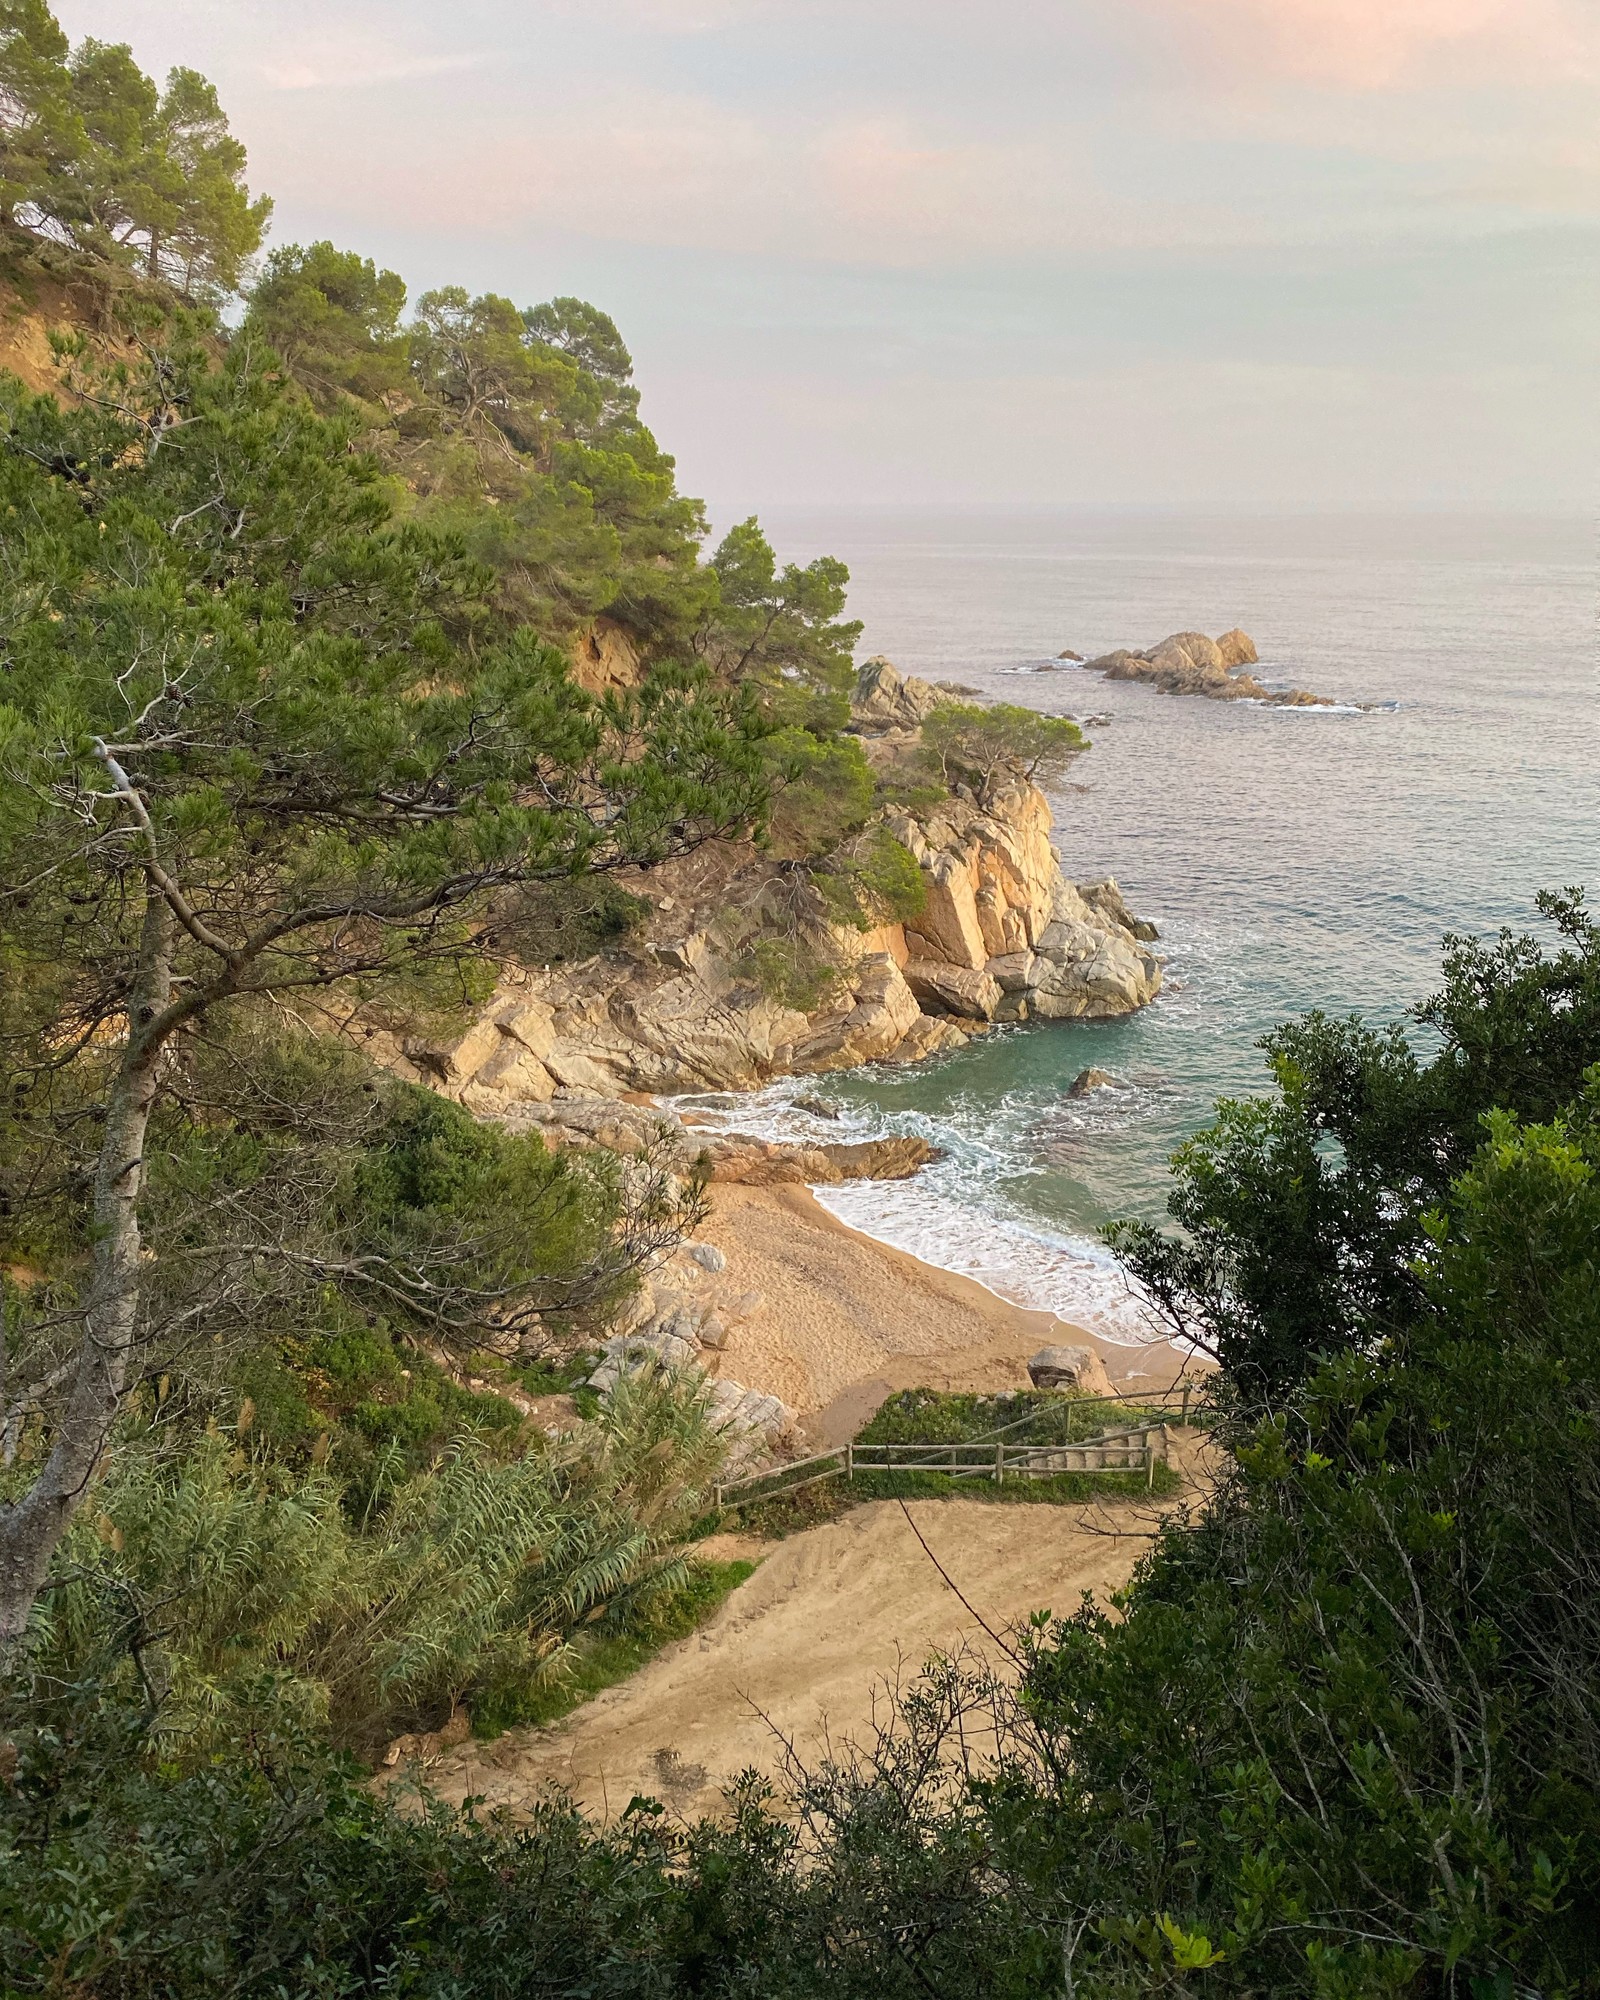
(1381, 44)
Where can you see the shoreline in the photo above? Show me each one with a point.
(840, 1321)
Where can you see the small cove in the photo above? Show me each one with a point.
(1292, 858)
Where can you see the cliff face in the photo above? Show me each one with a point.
(1002, 937)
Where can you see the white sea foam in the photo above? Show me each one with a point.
(1033, 1267)
(954, 1214)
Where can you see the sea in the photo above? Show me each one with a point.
(1292, 858)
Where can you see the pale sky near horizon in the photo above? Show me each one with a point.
(1226, 253)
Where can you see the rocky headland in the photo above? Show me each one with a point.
(1191, 663)
(683, 1006)
(585, 1051)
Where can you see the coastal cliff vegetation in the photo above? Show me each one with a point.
(326, 633)
(340, 643)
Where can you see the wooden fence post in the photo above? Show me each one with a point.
(850, 1462)
(999, 1463)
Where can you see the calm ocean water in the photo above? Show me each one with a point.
(1292, 858)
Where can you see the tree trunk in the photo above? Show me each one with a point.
(31, 1528)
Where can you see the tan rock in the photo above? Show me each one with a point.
(947, 926)
(1194, 647)
(933, 1035)
(752, 1162)
(952, 989)
(1237, 649)
(1077, 1368)
(605, 656)
(887, 699)
(884, 1011)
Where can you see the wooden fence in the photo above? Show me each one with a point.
(1133, 1448)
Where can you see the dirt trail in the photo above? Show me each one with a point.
(805, 1647)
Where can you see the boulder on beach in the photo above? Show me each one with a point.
(1077, 1368)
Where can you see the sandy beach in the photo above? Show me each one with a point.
(803, 1659)
(843, 1321)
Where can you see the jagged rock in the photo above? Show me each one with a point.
(884, 1012)
(756, 1422)
(1106, 898)
(565, 1049)
(952, 989)
(713, 1332)
(934, 1035)
(1087, 1081)
(1067, 654)
(1077, 1368)
(1193, 649)
(606, 656)
(1013, 971)
(651, 1347)
(819, 1107)
(887, 699)
(1085, 969)
(707, 1256)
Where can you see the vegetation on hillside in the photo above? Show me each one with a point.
(1338, 1740)
(291, 748)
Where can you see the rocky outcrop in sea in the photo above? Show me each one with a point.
(1191, 663)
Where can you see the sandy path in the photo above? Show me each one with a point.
(806, 1646)
(844, 1320)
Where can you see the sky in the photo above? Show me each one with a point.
(1225, 254)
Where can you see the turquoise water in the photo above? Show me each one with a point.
(1292, 858)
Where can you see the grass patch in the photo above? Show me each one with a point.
(1028, 1416)
(604, 1658)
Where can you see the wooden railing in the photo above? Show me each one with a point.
(1134, 1448)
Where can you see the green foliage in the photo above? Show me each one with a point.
(94, 155)
(549, 923)
(821, 789)
(1303, 1215)
(239, 1592)
(792, 971)
(334, 319)
(782, 630)
(1028, 1416)
(986, 747)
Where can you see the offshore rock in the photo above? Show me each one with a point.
(1191, 663)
